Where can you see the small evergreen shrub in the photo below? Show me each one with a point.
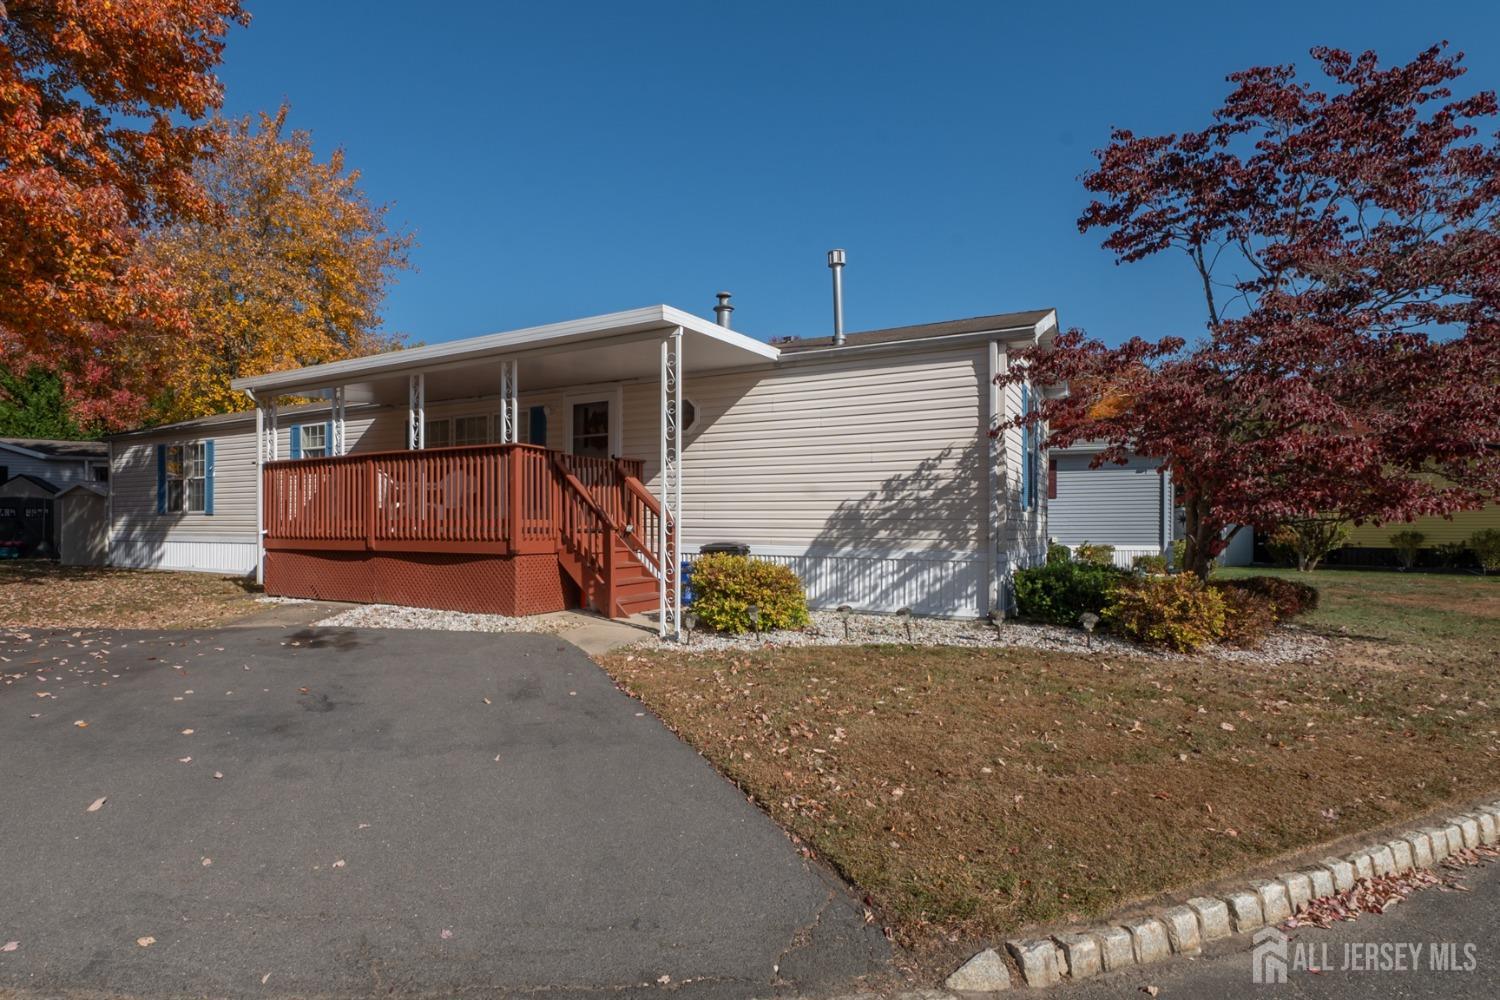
(1248, 616)
(725, 587)
(1179, 553)
(1149, 564)
(1097, 555)
(1486, 547)
(1058, 553)
(1178, 612)
(1408, 544)
(1289, 598)
(1058, 593)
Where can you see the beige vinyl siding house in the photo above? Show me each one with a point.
(868, 467)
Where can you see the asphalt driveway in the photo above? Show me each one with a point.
(381, 812)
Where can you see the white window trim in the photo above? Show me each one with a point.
(612, 394)
(184, 479)
(323, 449)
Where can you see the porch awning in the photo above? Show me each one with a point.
(613, 347)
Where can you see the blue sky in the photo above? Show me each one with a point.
(560, 160)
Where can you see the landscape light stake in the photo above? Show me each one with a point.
(905, 615)
(844, 612)
(754, 611)
(690, 620)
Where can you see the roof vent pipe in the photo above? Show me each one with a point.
(836, 265)
(723, 309)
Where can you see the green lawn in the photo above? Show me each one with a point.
(971, 792)
(1416, 616)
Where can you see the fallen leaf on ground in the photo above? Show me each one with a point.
(187, 732)
(488, 702)
(267, 975)
(145, 942)
(96, 805)
(339, 863)
(218, 774)
(447, 934)
(10, 946)
(207, 862)
(184, 760)
(81, 724)
(1228, 727)
(1151, 991)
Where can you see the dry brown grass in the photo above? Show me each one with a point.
(973, 792)
(46, 595)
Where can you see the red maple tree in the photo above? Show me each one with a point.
(1346, 245)
(101, 103)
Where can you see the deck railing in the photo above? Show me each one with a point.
(484, 499)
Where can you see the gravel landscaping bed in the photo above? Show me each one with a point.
(395, 616)
(1285, 644)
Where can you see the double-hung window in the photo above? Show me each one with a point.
(471, 430)
(186, 478)
(314, 440)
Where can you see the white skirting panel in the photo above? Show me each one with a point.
(946, 584)
(201, 556)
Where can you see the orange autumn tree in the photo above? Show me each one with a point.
(101, 108)
(291, 272)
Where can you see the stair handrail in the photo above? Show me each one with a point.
(605, 571)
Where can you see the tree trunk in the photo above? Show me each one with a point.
(1197, 554)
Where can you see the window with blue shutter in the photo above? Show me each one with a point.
(295, 436)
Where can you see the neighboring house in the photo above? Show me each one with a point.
(33, 473)
(1370, 544)
(57, 463)
(1129, 506)
(522, 471)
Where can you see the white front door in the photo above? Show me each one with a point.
(592, 423)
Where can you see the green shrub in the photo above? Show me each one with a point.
(1097, 555)
(1179, 553)
(1059, 592)
(1058, 553)
(725, 587)
(1289, 598)
(1407, 545)
(1248, 616)
(1451, 554)
(1178, 612)
(1306, 542)
(1486, 546)
(1149, 564)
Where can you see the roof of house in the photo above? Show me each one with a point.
(33, 480)
(45, 448)
(998, 322)
(229, 419)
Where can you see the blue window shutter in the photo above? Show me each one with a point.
(208, 476)
(328, 439)
(539, 425)
(295, 434)
(161, 479)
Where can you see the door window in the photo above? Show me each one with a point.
(591, 428)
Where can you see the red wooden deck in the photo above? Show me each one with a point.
(508, 529)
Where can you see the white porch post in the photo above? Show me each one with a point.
(996, 484)
(670, 603)
(416, 411)
(510, 414)
(271, 445)
(337, 446)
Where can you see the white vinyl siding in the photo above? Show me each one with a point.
(878, 453)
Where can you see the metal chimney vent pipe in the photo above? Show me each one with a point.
(723, 309)
(836, 265)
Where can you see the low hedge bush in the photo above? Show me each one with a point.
(1290, 597)
(1178, 612)
(1248, 616)
(1149, 564)
(726, 586)
(1098, 555)
(1059, 592)
(1486, 548)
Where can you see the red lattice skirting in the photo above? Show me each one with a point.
(501, 585)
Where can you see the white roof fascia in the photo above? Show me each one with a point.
(494, 344)
(1032, 333)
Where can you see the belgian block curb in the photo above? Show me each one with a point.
(1183, 929)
